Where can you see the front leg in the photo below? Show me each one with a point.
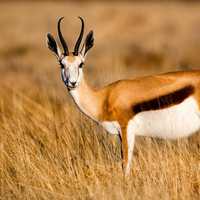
(128, 140)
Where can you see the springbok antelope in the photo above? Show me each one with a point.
(165, 105)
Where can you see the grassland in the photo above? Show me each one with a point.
(49, 150)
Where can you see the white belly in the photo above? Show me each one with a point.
(174, 122)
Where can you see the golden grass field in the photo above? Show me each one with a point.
(48, 149)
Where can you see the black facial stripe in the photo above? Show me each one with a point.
(164, 101)
(64, 78)
(81, 65)
(78, 75)
(61, 65)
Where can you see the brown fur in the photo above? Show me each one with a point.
(71, 58)
(115, 102)
(126, 93)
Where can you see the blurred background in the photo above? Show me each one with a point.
(131, 37)
(48, 149)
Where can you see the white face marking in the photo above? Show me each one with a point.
(174, 122)
(72, 72)
(112, 127)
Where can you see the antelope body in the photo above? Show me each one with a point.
(165, 105)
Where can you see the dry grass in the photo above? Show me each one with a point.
(48, 149)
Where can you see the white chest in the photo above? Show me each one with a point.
(112, 127)
(174, 122)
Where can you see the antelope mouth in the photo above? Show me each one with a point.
(71, 87)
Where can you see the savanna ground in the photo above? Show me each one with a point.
(49, 150)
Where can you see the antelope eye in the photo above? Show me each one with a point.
(81, 65)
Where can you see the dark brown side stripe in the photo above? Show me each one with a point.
(164, 101)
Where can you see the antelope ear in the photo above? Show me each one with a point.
(52, 45)
(88, 44)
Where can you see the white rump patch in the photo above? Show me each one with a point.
(177, 121)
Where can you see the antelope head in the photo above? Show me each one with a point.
(71, 63)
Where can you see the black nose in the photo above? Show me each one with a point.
(73, 83)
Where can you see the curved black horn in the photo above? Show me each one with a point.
(62, 40)
(78, 42)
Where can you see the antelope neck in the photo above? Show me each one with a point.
(86, 98)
